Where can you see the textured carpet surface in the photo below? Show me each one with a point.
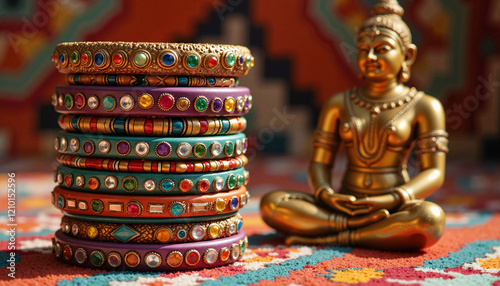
(467, 254)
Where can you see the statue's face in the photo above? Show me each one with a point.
(379, 58)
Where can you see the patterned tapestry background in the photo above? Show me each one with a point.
(304, 51)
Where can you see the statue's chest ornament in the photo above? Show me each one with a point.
(372, 150)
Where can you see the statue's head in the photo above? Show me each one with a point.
(384, 44)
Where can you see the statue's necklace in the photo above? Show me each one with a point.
(375, 106)
(374, 152)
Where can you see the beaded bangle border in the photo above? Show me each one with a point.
(144, 126)
(133, 220)
(149, 257)
(152, 58)
(147, 206)
(150, 80)
(150, 101)
(151, 233)
(171, 148)
(149, 184)
(149, 166)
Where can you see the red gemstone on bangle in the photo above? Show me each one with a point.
(203, 126)
(84, 58)
(166, 102)
(148, 127)
(212, 62)
(133, 209)
(232, 164)
(79, 101)
(67, 252)
(206, 166)
(190, 167)
(117, 59)
(185, 185)
(172, 167)
(203, 185)
(68, 180)
(193, 257)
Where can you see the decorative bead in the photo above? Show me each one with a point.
(163, 149)
(185, 185)
(214, 230)
(88, 147)
(192, 61)
(230, 59)
(97, 206)
(67, 252)
(203, 185)
(168, 59)
(152, 259)
(167, 185)
(192, 257)
(79, 100)
(60, 202)
(58, 249)
(141, 149)
(74, 229)
(129, 184)
(210, 256)
(68, 180)
(197, 232)
(114, 259)
(219, 205)
(224, 253)
(201, 103)
(63, 145)
(212, 62)
(141, 58)
(92, 232)
(132, 259)
(80, 181)
(126, 102)
(104, 146)
(232, 228)
(182, 103)
(123, 147)
(229, 104)
(174, 259)
(74, 57)
(229, 148)
(166, 101)
(110, 182)
(81, 255)
(149, 185)
(199, 150)
(66, 228)
(117, 59)
(146, 101)
(249, 61)
(109, 103)
(176, 208)
(218, 184)
(163, 235)
(235, 251)
(240, 60)
(215, 149)
(231, 181)
(234, 203)
(181, 234)
(184, 150)
(216, 105)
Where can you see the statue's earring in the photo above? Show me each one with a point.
(405, 73)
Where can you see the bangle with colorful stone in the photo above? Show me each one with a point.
(149, 257)
(152, 58)
(152, 101)
(149, 166)
(146, 126)
(149, 184)
(94, 204)
(170, 148)
(150, 80)
(151, 233)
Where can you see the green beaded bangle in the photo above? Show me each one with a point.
(149, 183)
(172, 148)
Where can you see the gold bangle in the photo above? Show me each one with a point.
(152, 59)
(404, 196)
(151, 233)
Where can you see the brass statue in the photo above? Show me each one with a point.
(378, 205)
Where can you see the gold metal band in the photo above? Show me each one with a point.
(152, 59)
(151, 233)
(431, 142)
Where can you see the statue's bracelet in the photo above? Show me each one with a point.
(151, 233)
(318, 191)
(150, 80)
(152, 101)
(152, 58)
(404, 196)
(147, 206)
(149, 257)
(145, 126)
(170, 148)
(149, 184)
(150, 166)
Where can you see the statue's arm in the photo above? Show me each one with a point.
(431, 148)
(325, 144)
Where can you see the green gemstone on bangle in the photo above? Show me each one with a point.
(229, 148)
(231, 181)
(97, 206)
(192, 61)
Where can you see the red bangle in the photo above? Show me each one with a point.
(148, 207)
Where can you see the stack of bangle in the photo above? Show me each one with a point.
(151, 173)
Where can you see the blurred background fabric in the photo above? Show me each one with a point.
(304, 51)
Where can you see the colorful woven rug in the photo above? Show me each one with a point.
(468, 253)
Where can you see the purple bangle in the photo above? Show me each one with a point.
(149, 257)
(152, 101)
